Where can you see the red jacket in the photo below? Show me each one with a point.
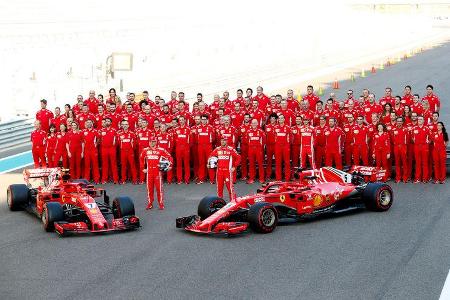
(229, 133)
(296, 135)
(307, 136)
(360, 135)
(126, 139)
(165, 141)
(151, 157)
(400, 136)
(381, 142)
(282, 135)
(182, 136)
(434, 102)
(270, 133)
(143, 138)
(90, 139)
(44, 116)
(204, 135)
(108, 137)
(38, 138)
(255, 137)
(334, 138)
(227, 158)
(319, 136)
(74, 140)
(420, 135)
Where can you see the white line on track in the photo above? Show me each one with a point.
(15, 155)
(18, 167)
(445, 294)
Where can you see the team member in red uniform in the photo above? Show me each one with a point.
(60, 147)
(237, 115)
(182, 143)
(83, 116)
(150, 158)
(228, 131)
(92, 102)
(348, 143)
(143, 135)
(400, 140)
(331, 113)
(417, 106)
(440, 142)
(334, 137)
(130, 115)
(398, 108)
(108, 144)
(311, 97)
(126, 141)
(360, 139)
(75, 150)
(349, 99)
(165, 141)
(407, 96)
(204, 136)
(114, 116)
(410, 148)
(50, 146)
(38, 141)
(255, 140)
(239, 98)
(387, 98)
(307, 144)
(282, 149)
(244, 128)
(78, 107)
(58, 119)
(256, 113)
(273, 106)
(288, 114)
(382, 149)
(296, 142)
(90, 141)
(148, 115)
(349, 111)
(227, 161)
(99, 117)
(44, 116)
(421, 139)
(435, 103)
(270, 144)
(319, 141)
(292, 102)
(262, 99)
(305, 112)
(318, 113)
(371, 108)
(386, 114)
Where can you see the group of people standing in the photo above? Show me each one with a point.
(100, 139)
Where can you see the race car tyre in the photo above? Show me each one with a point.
(209, 205)
(52, 212)
(122, 206)
(263, 217)
(17, 196)
(84, 182)
(378, 196)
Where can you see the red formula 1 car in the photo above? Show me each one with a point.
(70, 206)
(317, 192)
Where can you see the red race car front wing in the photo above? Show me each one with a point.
(121, 224)
(195, 224)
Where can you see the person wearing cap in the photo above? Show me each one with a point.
(150, 158)
(227, 161)
(44, 116)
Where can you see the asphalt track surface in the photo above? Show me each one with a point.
(400, 254)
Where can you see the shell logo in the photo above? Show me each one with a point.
(317, 200)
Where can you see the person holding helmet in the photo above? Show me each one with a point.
(155, 160)
(226, 159)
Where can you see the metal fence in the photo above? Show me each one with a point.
(15, 133)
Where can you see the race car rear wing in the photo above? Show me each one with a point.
(48, 174)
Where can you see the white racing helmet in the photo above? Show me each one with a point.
(212, 162)
(164, 164)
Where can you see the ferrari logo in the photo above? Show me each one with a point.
(282, 198)
(317, 200)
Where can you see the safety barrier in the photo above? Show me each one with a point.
(15, 133)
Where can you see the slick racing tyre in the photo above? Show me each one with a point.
(17, 196)
(378, 196)
(122, 206)
(263, 217)
(52, 212)
(209, 205)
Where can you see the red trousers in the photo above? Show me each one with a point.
(182, 158)
(225, 177)
(348, 152)
(38, 157)
(270, 151)
(421, 157)
(51, 158)
(127, 160)
(320, 155)
(141, 167)
(410, 157)
(282, 157)
(439, 160)
(295, 155)
(61, 154)
(255, 154)
(401, 162)
(361, 153)
(203, 151)
(75, 163)
(109, 159)
(91, 163)
(154, 180)
(381, 161)
(333, 156)
(244, 158)
(306, 153)
(195, 159)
